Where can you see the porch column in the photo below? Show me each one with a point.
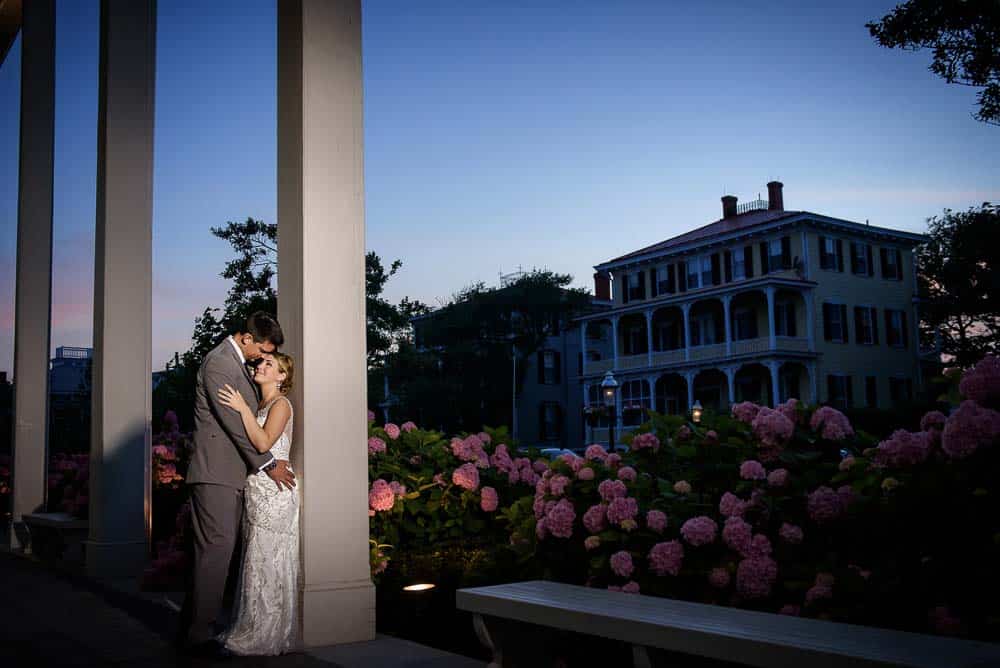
(811, 369)
(771, 338)
(689, 379)
(583, 348)
(123, 286)
(805, 253)
(772, 366)
(614, 342)
(652, 391)
(686, 309)
(810, 319)
(731, 382)
(649, 337)
(587, 434)
(321, 271)
(726, 300)
(33, 282)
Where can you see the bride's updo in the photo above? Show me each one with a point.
(286, 365)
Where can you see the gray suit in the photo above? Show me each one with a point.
(223, 456)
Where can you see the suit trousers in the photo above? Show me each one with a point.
(216, 514)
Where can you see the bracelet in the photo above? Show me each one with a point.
(273, 464)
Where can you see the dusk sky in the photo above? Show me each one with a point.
(499, 134)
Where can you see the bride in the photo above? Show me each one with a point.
(266, 615)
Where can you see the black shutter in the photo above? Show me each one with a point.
(727, 260)
(854, 258)
(541, 366)
(682, 276)
(890, 336)
(716, 270)
(883, 257)
(786, 252)
(831, 388)
(902, 326)
(858, 333)
(653, 287)
(625, 288)
(869, 259)
(671, 278)
(558, 362)
(874, 325)
(849, 391)
(840, 255)
(827, 315)
(824, 262)
(899, 264)
(748, 261)
(765, 266)
(559, 421)
(642, 284)
(843, 319)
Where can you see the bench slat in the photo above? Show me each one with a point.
(731, 634)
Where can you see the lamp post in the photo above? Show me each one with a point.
(696, 412)
(609, 387)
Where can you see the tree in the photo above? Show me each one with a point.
(959, 282)
(964, 36)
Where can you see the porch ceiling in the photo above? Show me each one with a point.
(10, 24)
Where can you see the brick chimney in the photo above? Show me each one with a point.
(775, 200)
(728, 206)
(602, 286)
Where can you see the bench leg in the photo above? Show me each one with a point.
(487, 640)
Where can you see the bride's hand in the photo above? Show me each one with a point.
(231, 397)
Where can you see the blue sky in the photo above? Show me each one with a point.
(550, 134)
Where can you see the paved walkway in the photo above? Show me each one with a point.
(50, 619)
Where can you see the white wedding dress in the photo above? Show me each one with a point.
(265, 620)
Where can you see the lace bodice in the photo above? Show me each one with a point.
(283, 446)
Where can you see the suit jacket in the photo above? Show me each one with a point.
(223, 453)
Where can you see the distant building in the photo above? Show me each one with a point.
(763, 304)
(69, 373)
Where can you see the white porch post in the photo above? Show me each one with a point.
(33, 283)
(686, 309)
(805, 253)
(123, 282)
(652, 391)
(772, 366)
(614, 342)
(689, 379)
(726, 300)
(771, 338)
(321, 274)
(587, 433)
(811, 369)
(810, 320)
(649, 337)
(583, 348)
(731, 382)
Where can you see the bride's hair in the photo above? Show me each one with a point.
(286, 365)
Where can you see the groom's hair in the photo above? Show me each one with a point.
(264, 327)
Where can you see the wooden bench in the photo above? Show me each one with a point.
(56, 537)
(509, 618)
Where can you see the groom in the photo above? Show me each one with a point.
(220, 462)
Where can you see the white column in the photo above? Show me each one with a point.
(689, 379)
(33, 283)
(772, 366)
(583, 347)
(811, 369)
(614, 342)
(805, 253)
(772, 339)
(807, 297)
(726, 300)
(321, 274)
(123, 281)
(652, 391)
(731, 382)
(686, 309)
(649, 337)
(587, 433)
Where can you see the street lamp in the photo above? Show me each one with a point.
(609, 387)
(696, 412)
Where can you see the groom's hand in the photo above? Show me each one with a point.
(282, 475)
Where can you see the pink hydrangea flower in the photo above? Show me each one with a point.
(621, 509)
(611, 489)
(981, 383)
(682, 487)
(630, 587)
(933, 420)
(627, 473)
(656, 520)
(408, 426)
(484, 437)
(488, 499)
(558, 485)
(594, 518)
(731, 505)
(540, 466)
(745, 411)
(466, 476)
(737, 535)
(719, 578)
(904, 448)
(595, 452)
(699, 530)
(684, 433)
(760, 546)
(644, 441)
(375, 445)
(788, 409)
(831, 424)
(817, 593)
(790, 533)
(969, 427)
(825, 505)
(559, 519)
(391, 430)
(755, 576)
(711, 437)
(665, 558)
(772, 427)
(752, 470)
(621, 564)
(591, 542)
(585, 473)
(380, 496)
(397, 489)
(540, 530)
(777, 478)
(439, 480)
(613, 460)
(371, 416)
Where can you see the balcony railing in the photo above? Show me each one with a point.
(715, 351)
(633, 361)
(668, 356)
(708, 352)
(747, 346)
